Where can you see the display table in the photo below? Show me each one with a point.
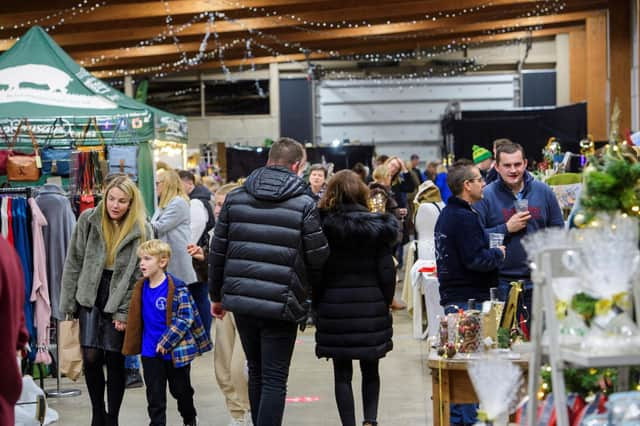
(451, 384)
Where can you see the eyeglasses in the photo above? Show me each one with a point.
(478, 179)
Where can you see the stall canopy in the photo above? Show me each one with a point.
(41, 82)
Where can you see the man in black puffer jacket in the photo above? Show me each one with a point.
(268, 249)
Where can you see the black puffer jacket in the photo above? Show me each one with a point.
(268, 247)
(354, 321)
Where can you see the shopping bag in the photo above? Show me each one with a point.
(69, 348)
(24, 167)
(56, 160)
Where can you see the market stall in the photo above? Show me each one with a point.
(44, 92)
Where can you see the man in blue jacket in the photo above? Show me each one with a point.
(498, 213)
(467, 267)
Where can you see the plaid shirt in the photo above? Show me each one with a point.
(185, 338)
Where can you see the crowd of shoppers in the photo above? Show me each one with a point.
(261, 256)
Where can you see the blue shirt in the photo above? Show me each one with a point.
(154, 317)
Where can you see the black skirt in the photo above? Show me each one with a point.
(96, 326)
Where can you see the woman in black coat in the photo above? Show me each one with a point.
(352, 302)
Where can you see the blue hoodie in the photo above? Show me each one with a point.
(497, 207)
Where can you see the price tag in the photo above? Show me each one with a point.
(38, 162)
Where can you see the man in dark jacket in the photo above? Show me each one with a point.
(268, 249)
(467, 267)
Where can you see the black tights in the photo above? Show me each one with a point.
(342, 373)
(94, 359)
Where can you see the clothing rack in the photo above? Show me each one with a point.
(57, 392)
(17, 191)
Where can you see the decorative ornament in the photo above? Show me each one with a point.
(587, 146)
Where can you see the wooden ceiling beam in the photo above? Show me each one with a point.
(119, 55)
(148, 9)
(410, 9)
(384, 48)
(348, 45)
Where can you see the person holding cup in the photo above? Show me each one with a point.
(516, 205)
(466, 263)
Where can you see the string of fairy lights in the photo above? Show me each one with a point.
(63, 16)
(548, 6)
(172, 32)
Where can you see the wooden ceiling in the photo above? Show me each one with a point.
(181, 36)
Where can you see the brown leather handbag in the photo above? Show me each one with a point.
(24, 168)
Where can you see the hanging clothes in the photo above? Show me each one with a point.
(40, 288)
(56, 208)
(22, 245)
(10, 222)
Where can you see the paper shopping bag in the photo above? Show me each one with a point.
(69, 348)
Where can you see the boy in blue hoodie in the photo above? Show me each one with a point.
(165, 327)
(498, 214)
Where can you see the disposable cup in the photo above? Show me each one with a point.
(521, 205)
(495, 240)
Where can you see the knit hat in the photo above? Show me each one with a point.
(480, 154)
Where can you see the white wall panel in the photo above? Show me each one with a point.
(401, 116)
(385, 133)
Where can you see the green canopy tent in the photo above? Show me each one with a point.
(40, 82)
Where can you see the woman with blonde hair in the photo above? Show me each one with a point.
(172, 224)
(100, 271)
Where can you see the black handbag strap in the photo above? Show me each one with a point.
(52, 130)
(4, 135)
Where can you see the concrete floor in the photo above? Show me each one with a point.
(405, 397)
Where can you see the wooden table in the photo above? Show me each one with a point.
(451, 384)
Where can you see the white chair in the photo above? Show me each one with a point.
(425, 285)
(425, 222)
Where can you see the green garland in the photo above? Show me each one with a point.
(611, 183)
(583, 381)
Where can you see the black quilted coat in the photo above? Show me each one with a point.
(353, 318)
(268, 247)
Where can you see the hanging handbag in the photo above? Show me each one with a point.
(24, 168)
(123, 160)
(86, 178)
(56, 160)
(4, 153)
(91, 148)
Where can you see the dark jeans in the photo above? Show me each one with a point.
(200, 294)
(525, 307)
(462, 414)
(342, 373)
(268, 346)
(93, 365)
(157, 372)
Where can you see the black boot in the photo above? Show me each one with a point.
(134, 379)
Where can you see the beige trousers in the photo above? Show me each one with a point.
(229, 363)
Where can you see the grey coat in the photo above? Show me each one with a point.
(56, 208)
(85, 262)
(172, 225)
